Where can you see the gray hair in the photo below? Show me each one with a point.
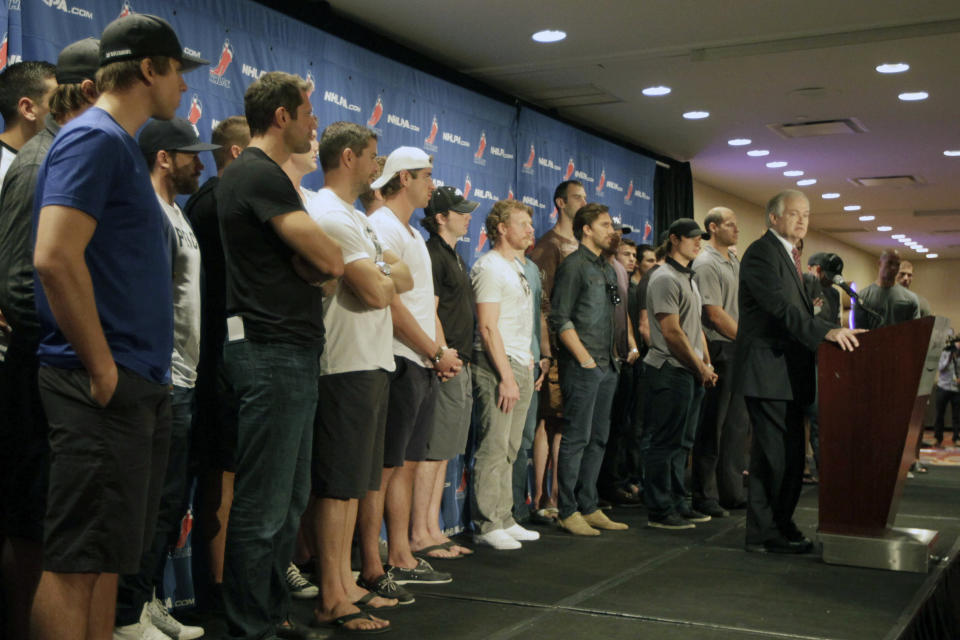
(778, 203)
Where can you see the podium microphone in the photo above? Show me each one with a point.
(840, 282)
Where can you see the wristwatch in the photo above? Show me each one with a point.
(439, 355)
(384, 267)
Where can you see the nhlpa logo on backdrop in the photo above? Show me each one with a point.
(340, 101)
(530, 201)
(377, 113)
(126, 10)
(527, 167)
(13, 5)
(61, 5)
(466, 188)
(626, 198)
(481, 147)
(570, 168)
(3, 52)
(510, 192)
(251, 71)
(602, 182)
(310, 81)
(481, 243)
(195, 113)
(647, 231)
(403, 123)
(553, 215)
(216, 73)
(429, 143)
(454, 138)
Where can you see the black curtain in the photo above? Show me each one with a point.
(673, 195)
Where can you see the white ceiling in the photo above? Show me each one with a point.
(743, 61)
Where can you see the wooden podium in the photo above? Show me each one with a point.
(872, 403)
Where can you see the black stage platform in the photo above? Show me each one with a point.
(646, 583)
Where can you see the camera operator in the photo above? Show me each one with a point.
(947, 390)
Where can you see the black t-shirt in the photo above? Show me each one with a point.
(451, 284)
(201, 210)
(275, 303)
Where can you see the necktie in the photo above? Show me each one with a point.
(796, 261)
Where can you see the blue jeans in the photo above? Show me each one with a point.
(276, 386)
(672, 412)
(587, 398)
(133, 591)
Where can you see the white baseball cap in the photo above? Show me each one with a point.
(402, 159)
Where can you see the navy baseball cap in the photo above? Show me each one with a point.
(171, 135)
(78, 61)
(141, 35)
(449, 199)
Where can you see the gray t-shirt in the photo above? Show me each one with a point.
(185, 260)
(894, 304)
(718, 280)
(673, 291)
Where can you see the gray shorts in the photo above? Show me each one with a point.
(451, 418)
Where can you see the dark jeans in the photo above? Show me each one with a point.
(521, 466)
(133, 591)
(276, 386)
(620, 459)
(587, 398)
(672, 412)
(943, 398)
(720, 448)
(812, 413)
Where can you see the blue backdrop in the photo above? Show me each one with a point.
(489, 149)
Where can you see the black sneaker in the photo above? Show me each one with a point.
(713, 510)
(693, 515)
(423, 573)
(387, 588)
(672, 521)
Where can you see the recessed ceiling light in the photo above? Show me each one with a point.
(696, 115)
(758, 153)
(914, 96)
(852, 207)
(659, 90)
(921, 250)
(933, 255)
(830, 196)
(549, 35)
(776, 164)
(894, 67)
(884, 228)
(806, 182)
(739, 142)
(898, 236)
(793, 173)
(906, 240)
(952, 152)
(867, 218)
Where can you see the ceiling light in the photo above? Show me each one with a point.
(898, 236)
(895, 67)
(776, 164)
(906, 240)
(914, 96)
(758, 153)
(549, 35)
(659, 90)
(867, 218)
(952, 152)
(793, 173)
(739, 142)
(933, 255)
(852, 207)
(696, 115)
(806, 182)
(921, 250)
(884, 228)
(830, 196)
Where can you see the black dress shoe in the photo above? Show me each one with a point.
(781, 545)
(624, 498)
(712, 509)
(793, 534)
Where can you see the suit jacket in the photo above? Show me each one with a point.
(777, 335)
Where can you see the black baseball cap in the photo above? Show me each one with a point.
(141, 35)
(78, 61)
(171, 135)
(449, 199)
(686, 228)
(622, 228)
(829, 262)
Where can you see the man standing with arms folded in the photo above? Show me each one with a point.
(354, 371)
(719, 449)
(775, 369)
(275, 254)
(582, 306)
(504, 373)
(105, 371)
(890, 302)
(677, 369)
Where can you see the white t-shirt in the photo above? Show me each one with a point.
(405, 241)
(185, 260)
(496, 279)
(7, 154)
(359, 338)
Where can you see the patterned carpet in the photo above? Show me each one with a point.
(946, 456)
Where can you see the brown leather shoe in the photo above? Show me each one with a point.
(599, 520)
(577, 525)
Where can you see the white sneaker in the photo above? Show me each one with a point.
(519, 533)
(499, 539)
(300, 587)
(170, 626)
(143, 630)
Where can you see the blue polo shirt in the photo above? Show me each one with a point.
(96, 167)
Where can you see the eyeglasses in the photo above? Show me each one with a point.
(614, 294)
(371, 234)
(524, 282)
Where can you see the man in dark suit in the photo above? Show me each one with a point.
(774, 369)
